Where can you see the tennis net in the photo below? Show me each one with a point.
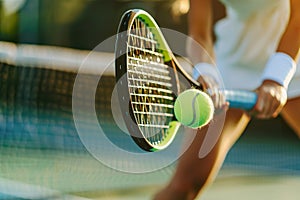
(36, 84)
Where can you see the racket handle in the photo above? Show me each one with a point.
(242, 99)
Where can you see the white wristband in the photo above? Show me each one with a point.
(205, 69)
(280, 68)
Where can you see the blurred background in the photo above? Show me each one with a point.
(80, 24)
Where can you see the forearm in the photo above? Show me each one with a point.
(200, 27)
(290, 40)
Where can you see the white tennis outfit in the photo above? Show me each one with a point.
(246, 39)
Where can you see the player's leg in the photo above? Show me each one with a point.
(194, 173)
(291, 114)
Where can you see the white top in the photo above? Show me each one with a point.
(246, 39)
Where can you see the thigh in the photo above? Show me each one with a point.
(216, 139)
(291, 114)
(225, 129)
(235, 124)
(220, 143)
(222, 133)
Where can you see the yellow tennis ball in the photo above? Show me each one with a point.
(193, 108)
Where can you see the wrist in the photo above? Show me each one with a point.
(280, 68)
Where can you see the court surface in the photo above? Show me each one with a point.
(42, 156)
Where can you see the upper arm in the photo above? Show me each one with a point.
(290, 40)
(200, 18)
(295, 12)
(295, 23)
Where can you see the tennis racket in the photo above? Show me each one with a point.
(149, 79)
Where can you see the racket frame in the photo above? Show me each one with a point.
(122, 83)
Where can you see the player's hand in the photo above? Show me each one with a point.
(207, 75)
(271, 99)
(212, 88)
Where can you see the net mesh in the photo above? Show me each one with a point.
(36, 107)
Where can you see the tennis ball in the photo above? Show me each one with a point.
(193, 108)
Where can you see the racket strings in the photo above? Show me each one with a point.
(149, 83)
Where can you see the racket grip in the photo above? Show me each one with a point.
(241, 99)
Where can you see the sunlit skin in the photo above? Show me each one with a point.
(194, 174)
